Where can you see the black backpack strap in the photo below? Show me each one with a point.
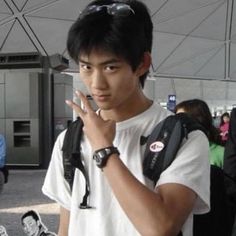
(72, 157)
(164, 142)
(157, 156)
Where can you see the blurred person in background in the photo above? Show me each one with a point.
(224, 126)
(200, 111)
(2, 162)
(230, 162)
(2, 151)
(221, 217)
(230, 147)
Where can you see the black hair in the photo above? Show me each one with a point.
(199, 110)
(30, 213)
(226, 114)
(128, 37)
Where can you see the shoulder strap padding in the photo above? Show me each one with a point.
(164, 142)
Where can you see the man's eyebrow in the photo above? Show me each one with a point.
(101, 63)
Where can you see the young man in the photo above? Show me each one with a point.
(111, 42)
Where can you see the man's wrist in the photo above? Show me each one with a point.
(102, 155)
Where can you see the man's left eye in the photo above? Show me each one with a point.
(111, 68)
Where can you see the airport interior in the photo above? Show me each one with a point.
(193, 56)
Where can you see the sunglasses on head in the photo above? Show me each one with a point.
(115, 9)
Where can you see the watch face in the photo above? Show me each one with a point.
(98, 157)
(102, 155)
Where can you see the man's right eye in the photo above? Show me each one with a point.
(85, 67)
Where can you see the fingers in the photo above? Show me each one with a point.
(85, 101)
(79, 111)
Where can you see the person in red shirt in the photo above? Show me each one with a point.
(224, 127)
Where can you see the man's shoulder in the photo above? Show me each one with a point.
(60, 139)
(158, 112)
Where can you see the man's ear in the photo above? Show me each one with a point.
(145, 64)
(39, 222)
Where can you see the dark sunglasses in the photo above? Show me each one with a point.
(115, 9)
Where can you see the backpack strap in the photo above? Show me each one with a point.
(164, 142)
(72, 157)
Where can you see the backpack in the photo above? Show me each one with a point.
(162, 146)
(164, 143)
(72, 158)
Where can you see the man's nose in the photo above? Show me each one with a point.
(99, 80)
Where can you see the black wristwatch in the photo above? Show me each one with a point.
(101, 156)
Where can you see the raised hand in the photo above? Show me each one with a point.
(100, 132)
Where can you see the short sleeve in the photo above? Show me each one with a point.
(55, 185)
(191, 168)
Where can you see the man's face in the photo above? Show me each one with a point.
(30, 226)
(110, 80)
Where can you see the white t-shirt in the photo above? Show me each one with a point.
(190, 168)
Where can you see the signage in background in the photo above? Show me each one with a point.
(171, 102)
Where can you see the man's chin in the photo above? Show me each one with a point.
(104, 106)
